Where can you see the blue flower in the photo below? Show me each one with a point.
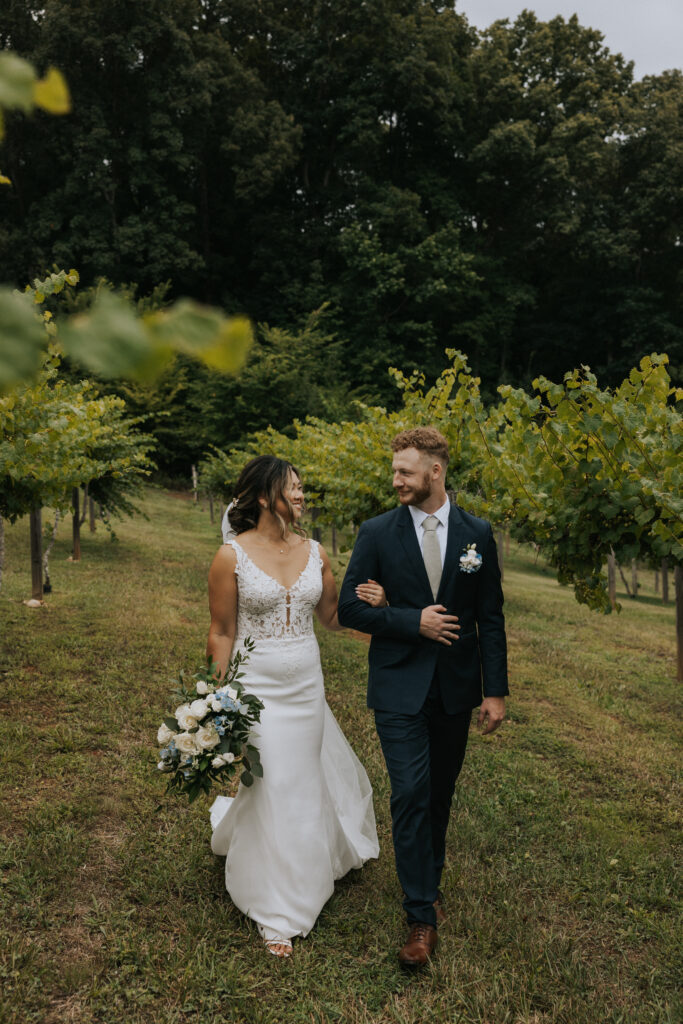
(471, 560)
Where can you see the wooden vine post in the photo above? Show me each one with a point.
(76, 527)
(47, 585)
(678, 586)
(316, 533)
(36, 554)
(665, 581)
(612, 579)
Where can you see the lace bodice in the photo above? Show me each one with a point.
(268, 611)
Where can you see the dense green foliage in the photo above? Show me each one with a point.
(108, 339)
(55, 436)
(576, 468)
(512, 193)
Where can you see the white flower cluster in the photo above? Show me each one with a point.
(194, 736)
(471, 560)
(208, 735)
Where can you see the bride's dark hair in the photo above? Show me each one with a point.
(266, 476)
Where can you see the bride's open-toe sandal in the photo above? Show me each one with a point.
(281, 948)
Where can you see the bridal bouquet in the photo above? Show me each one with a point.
(206, 738)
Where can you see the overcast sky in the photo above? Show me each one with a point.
(648, 32)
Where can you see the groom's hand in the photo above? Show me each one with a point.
(491, 713)
(437, 625)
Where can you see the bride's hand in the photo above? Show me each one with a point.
(372, 593)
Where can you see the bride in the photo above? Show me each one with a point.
(310, 818)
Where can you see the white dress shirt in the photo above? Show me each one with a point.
(441, 514)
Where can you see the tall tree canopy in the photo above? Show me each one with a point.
(513, 193)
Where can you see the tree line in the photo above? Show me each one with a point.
(381, 169)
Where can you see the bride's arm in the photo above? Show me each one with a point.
(223, 607)
(326, 609)
(371, 592)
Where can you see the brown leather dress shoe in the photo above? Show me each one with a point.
(419, 947)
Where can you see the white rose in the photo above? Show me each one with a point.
(198, 708)
(165, 735)
(222, 759)
(202, 687)
(186, 743)
(207, 737)
(185, 718)
(214, 703)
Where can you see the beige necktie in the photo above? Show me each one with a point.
(431, 552)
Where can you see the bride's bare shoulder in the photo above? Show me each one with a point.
(224, 560)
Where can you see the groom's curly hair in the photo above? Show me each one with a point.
(426, 439)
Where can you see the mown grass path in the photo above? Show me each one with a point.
(560, 878)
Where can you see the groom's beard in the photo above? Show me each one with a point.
(419, 494)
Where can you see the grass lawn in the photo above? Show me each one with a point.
(561, 873)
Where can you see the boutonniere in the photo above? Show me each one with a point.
(471, 560)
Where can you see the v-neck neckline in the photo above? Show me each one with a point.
(268, 575)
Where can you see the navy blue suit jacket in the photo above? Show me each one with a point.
(402, 664)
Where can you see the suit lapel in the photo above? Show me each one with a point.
(409, 543)
(454, 549)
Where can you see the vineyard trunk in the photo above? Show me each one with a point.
(315, 532)
(91, 511)
(612, 579)
(665, 581)
(678, 586)
(47, 586)
(76, 527)
(84, 513)
(36, 555)
(634, 577)
(624, 580)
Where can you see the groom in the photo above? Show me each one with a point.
(435, 646)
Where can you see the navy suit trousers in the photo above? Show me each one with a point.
(424, 754)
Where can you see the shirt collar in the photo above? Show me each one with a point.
(441, 514)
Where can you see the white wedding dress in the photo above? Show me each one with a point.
(310, 818)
